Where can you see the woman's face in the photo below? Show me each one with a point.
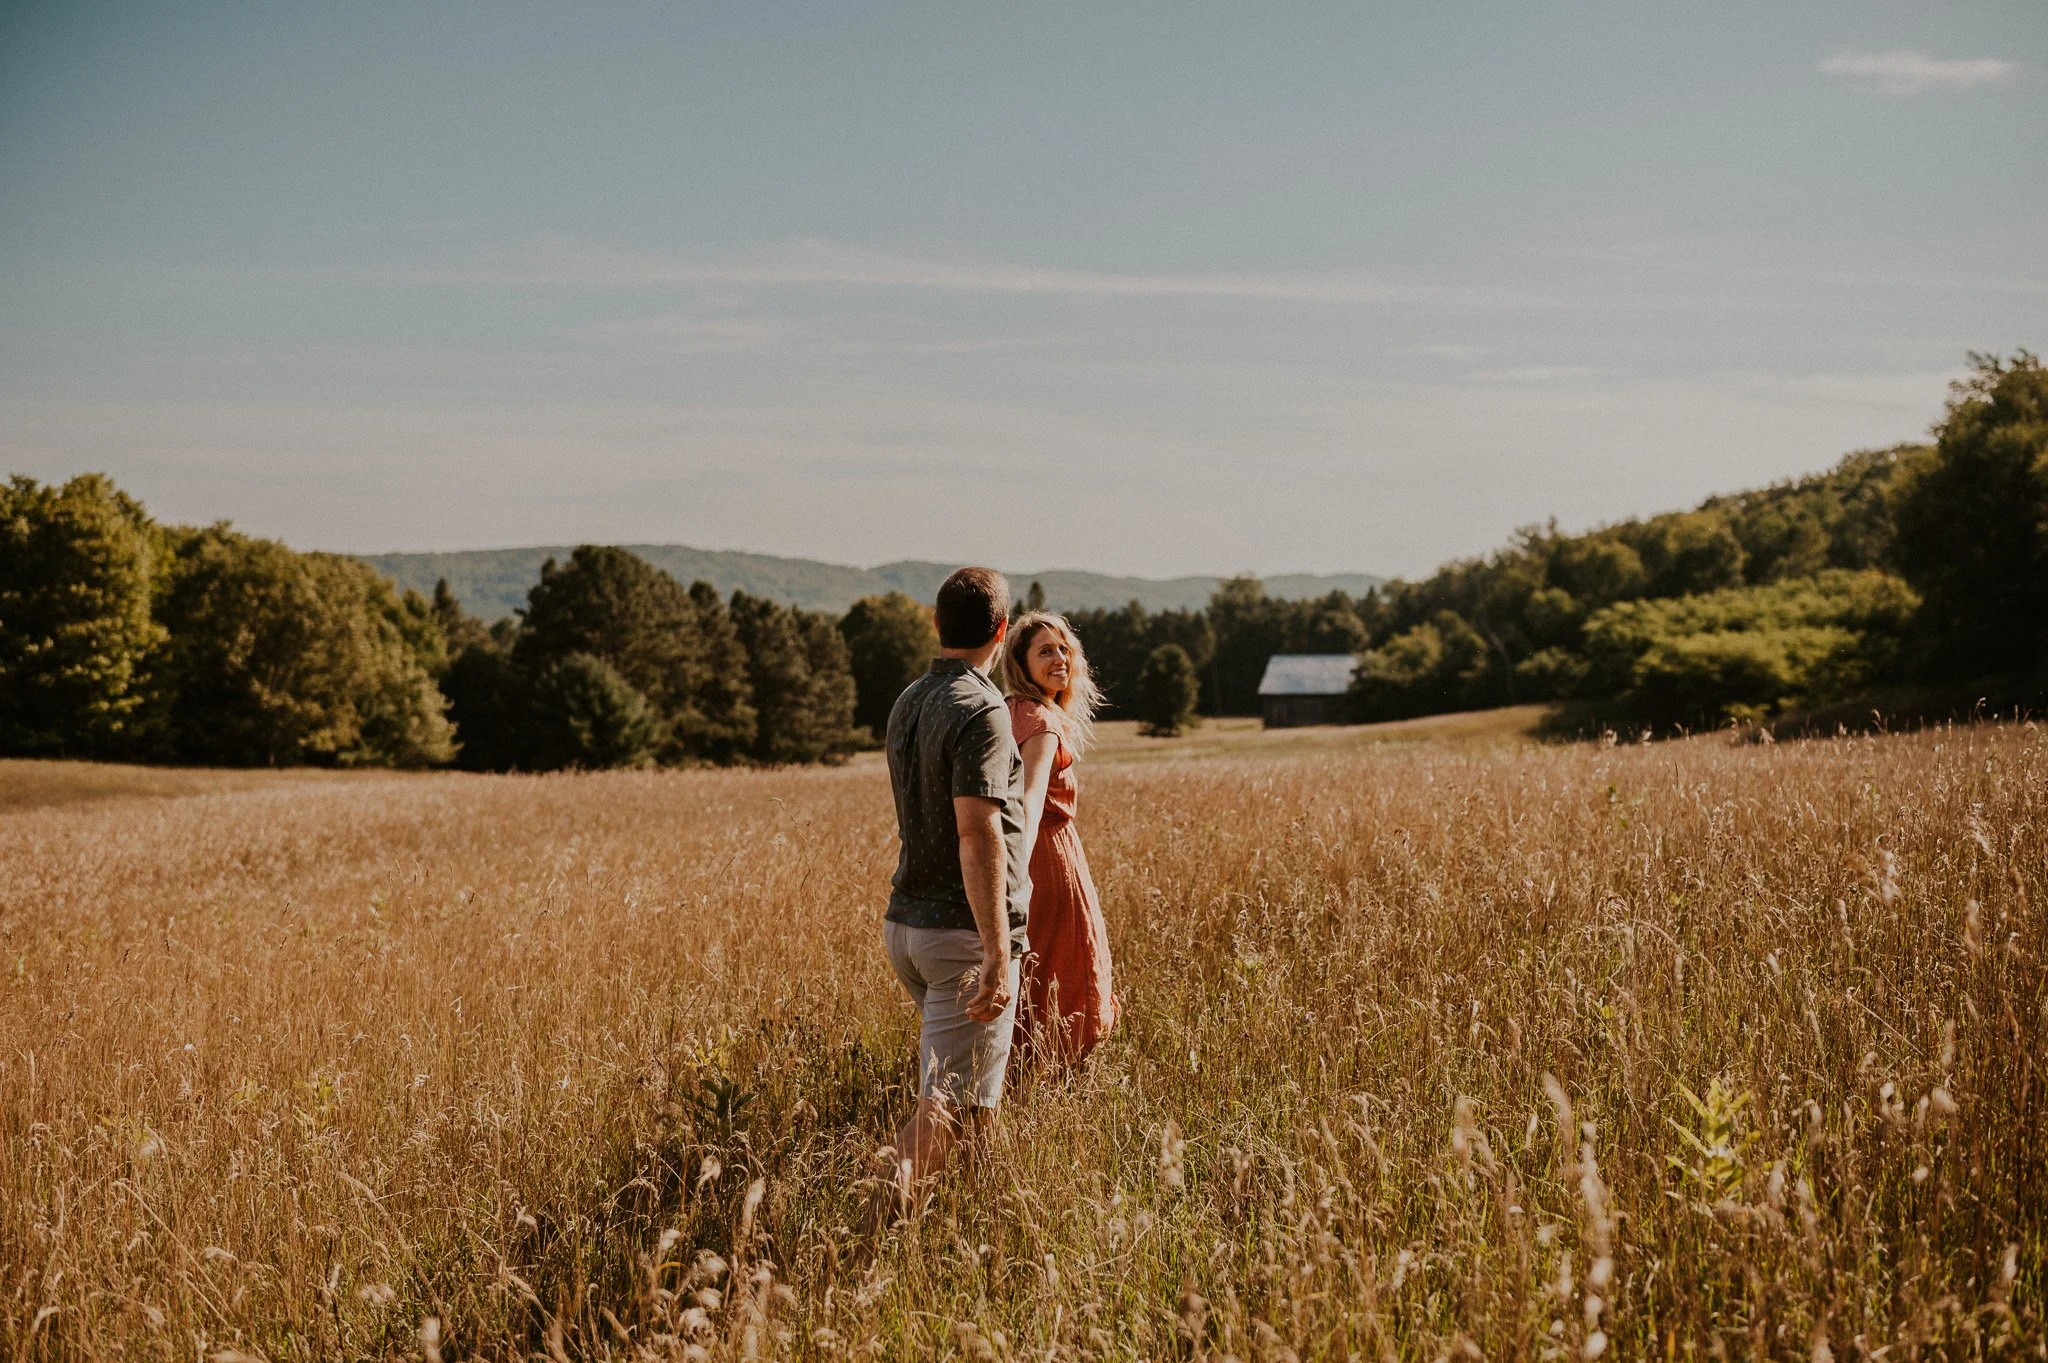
(1049, 661)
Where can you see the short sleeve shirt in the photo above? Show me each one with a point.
(949, 735)
(1028, 719)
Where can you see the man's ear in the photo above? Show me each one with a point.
(1002, 630)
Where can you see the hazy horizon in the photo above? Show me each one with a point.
(1015, 574)
(1159, 290)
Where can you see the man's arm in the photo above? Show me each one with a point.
(979, 822)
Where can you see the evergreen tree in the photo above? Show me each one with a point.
(459, 629)
(803, 692)
(1167, 692)
(890, 641)
(833, 693)
(488, 701)
(1973, 525)
(779, 672)
(1249, 630)
(1118, 642)
(676, 647)
(719, 723)
(1189, 631)
(586, 716)
(1250, 627)
(77, 566)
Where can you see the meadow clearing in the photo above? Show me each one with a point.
(1456, 1047)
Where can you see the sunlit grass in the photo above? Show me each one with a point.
(596, 1066)
(41, 784)
(1244, 736)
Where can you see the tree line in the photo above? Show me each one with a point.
(124, 639)
(1226, 644)
(1915, 566)
(121, 638)
(1921, 567)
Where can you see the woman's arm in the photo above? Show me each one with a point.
(1040, 751)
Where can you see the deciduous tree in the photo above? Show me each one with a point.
(1973, 526)
(1168, 690)
(890, 640)
(77, 568)
(277, 658)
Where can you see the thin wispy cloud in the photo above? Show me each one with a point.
(712, 335)
(1918, 391)
(825, 263)
(1914, 73)
(1440, 350)
(693, 334)
(1549, 373)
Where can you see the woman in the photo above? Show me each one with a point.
(1067, 1004)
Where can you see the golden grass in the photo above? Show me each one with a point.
(1237, 736)
(27, 783)
(595, 1066)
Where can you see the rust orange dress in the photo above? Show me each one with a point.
(1068, 1003)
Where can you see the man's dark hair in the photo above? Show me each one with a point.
(973, 603)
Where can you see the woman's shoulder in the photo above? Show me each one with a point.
(1029, 717)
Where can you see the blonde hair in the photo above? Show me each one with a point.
(1074, 708)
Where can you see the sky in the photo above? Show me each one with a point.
(1150, 289)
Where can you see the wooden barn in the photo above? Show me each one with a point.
(1306, 688)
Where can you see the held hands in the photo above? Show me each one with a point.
(991, 987)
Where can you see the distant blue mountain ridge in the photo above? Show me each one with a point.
(492, 583)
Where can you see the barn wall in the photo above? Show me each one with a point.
(1290, 712)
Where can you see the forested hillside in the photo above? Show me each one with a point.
(1918, 566)
(492, 583)
(1735, 609)
(1916, 575)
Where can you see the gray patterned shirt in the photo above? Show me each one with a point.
(949, 734)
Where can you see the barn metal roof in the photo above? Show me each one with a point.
(1307, 674)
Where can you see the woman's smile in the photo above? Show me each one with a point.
(1049, 663)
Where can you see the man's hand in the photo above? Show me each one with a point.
(991, 988)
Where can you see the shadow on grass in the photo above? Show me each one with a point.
(675, 1205)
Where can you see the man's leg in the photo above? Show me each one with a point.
(961, 1061)
(923, 1145)
(927, 1141)
(978, 1132)
(977, 1118)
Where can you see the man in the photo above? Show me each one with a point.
(955, 926)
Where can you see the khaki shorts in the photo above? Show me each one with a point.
(960, 1061)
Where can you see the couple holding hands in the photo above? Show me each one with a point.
(993, 924)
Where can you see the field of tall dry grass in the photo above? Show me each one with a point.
(1430, 1052)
